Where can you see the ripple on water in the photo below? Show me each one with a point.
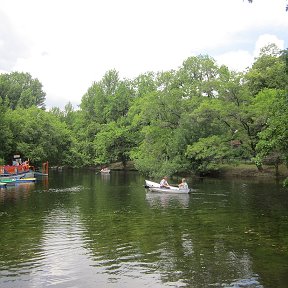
(99, 239)
(162, 200)
(251, 282)
(68, 189)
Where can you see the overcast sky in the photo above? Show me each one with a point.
(69, 44)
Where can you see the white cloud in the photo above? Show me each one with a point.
(264, 40)
(12, 44)
(239, 60)
(73, 43)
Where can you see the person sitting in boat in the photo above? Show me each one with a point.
(183, 184)
(164, 183)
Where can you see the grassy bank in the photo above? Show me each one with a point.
(250, 170)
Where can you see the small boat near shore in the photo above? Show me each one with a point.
(10, 182)
(105, 171)
(16, 174)
(3, 185)
(17, 170)
(26, 180)
(20, 170)
(155, 187)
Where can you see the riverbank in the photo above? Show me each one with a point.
(239, 170)
(250, 170)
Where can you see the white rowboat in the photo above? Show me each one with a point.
(105, 171)
(155, 187)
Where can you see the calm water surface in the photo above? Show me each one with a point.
(83, 229)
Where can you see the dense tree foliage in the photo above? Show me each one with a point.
(39, 135)
(21, 90)
(191, 119)
(5, 135)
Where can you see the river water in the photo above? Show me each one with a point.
(82, 229)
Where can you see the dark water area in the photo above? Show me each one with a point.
(83, 229)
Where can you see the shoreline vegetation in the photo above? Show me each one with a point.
(226, 170)
(198, 120)
(250, 170)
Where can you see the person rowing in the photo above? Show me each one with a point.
(164, 183)
(183, 184)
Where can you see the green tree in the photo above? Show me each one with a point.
(273, 143)
(144, 84)
(6, 134)
(39, 136)
(268, 71)
(198, 76)
(243, 122)
(98, 105)
(157, 115)
(207, 153)
(21, 90)
(119, 102)
(106, 104)
(112, 144)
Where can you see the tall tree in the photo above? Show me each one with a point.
(106, 104)
(273, 143)
(113, 144)
(21, 90)
(268, 71)
(40, 136)
(198, 76)
(6, 133)
(158, 118)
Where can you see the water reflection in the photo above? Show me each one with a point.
(86, 230)
(16, 192)
(105, 177)
(167, 200)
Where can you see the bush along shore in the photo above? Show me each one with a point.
(239, 170)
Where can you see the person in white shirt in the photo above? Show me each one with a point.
(183, 184)
(164, 183)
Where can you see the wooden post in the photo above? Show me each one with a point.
(45, 167)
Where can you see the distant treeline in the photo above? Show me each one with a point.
(188, 120)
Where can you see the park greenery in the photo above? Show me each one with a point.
(189, 120)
